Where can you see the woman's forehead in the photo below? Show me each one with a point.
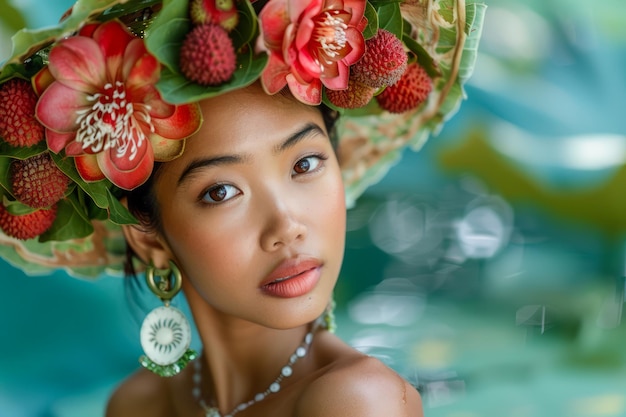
(253, 114)
(246, 122)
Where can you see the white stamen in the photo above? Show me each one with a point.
(112, 123)
(337, 40)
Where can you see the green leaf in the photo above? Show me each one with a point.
(11, 18)
(166, 42)
(423, 57)
(96, 190)
(28, 41)
(446, 10)
(78, 202)
(16, 208)
(118, 213)
(70, 223)
(127, 8)
(246, 30)
(390, 18)
(167, 33)
(5, 166)
(11, 71)
(22, 153)
(372, 21)
(475, 19)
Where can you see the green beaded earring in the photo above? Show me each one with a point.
(165, 332)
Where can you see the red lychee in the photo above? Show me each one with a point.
(18, 125)
(26, 226)
(384, 61)
(409, 92)
(207, 55)
(355, 96)
(37, 181)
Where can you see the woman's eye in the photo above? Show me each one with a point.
(220, 193)
(308, 164)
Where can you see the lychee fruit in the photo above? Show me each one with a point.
(219, 12)
(355, 96)
(26, 226)
(207, 55)
(384, 61)
(37, 181)
(409, 92)
(18, 125)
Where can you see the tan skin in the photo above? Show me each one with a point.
(273, 193)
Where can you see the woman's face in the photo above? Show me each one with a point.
(254, 212)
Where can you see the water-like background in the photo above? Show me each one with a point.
(488, 268)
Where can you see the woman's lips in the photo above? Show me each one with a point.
(293, 278)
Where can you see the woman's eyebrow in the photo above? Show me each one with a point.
(310, 129)
(197, 164)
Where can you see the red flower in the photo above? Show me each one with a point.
(100, 104)
(311, 43)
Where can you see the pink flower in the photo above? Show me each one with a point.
(99, 103)
(311, 43)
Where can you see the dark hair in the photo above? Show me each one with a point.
(142, 201)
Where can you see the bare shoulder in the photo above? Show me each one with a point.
(360, 386)
(141, 394)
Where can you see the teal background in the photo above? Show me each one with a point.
(488, 268)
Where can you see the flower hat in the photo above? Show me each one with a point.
(89, 105)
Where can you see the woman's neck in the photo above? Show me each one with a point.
(241, 358)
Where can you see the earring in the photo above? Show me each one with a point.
(328, 317)
(165, 332)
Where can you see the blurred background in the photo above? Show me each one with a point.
(488, 268)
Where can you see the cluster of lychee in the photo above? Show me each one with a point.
(385, 66)
(207, 55)
(36, 181)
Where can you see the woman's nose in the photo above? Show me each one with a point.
(283, 226)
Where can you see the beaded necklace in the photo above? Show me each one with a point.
(274, 387)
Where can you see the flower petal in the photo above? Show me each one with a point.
(74, 148)
(357, 7)
(126, 179)
(274, 20)
(148, 95)
(274, 75)
(307, 93)
(42, 80)
(184, 122)
(306, 63)
(357, 43)
(112, 38)
(87, 167)
(298, 8)
(127, 159)
(340, 81)
(140, 68)
(166, 149)
(78, 63)
(57, 141)
(59, 106)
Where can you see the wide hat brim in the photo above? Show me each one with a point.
(370, 140)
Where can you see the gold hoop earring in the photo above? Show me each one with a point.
(164, 283)
(165, 333)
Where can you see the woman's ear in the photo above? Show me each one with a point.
(148, 245)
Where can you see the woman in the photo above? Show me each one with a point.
(209, 140)
(261, 201)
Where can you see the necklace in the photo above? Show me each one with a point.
(274, 387)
